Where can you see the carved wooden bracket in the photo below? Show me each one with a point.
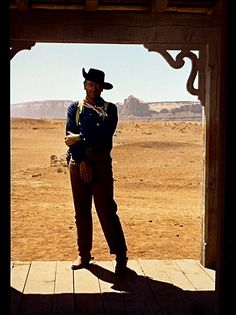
(17, 46)
(179, 62)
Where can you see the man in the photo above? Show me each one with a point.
(90, 126)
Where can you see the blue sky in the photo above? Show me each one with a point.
(54, 71)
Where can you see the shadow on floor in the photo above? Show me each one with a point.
(127, 294)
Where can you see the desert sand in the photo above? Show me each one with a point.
(157, 170)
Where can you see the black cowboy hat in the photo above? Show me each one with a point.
(97, 76)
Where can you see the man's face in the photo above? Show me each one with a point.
(93, 89)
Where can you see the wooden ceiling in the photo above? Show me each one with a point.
(177, 6)
(167, 22)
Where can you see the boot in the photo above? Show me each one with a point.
(81, 262)
(121, 264)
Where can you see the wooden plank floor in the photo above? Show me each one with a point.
(150, 287)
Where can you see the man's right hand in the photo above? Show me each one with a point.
(71, 138)
(85, 171)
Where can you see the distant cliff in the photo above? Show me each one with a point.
(132, 108)
(178, 110)
(136, 107)
(55, 109)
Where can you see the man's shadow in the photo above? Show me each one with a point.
(143, 295)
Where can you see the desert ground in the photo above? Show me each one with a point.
(157, 170)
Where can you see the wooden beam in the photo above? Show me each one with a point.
(111, 27)
(128, 8)
(23, 5)
(91, 5)
(190, 10)
(159, 5)
(80, 7)
(57, 7)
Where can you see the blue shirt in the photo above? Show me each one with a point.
(96, 132)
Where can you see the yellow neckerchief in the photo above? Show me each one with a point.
(99, 110)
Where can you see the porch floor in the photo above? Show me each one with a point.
(149, 287)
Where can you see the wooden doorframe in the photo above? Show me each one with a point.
(167, 31)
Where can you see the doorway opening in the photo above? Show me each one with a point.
(157, 157)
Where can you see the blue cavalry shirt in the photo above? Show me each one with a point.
(96, 132)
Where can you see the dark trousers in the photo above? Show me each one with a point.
(101, 190)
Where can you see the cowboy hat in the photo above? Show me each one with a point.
(97, 76)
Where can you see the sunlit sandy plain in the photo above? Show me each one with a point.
(157, 170)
